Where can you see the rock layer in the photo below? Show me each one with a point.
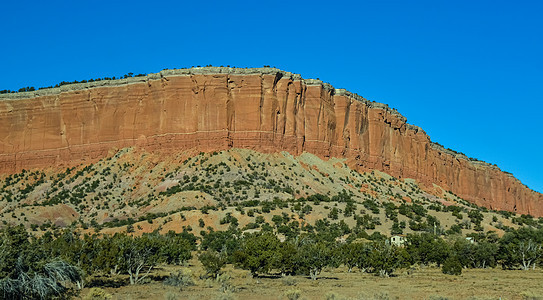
(268, 110)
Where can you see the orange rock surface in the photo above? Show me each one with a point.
(267, 110)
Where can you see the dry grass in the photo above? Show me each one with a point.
(425, 283)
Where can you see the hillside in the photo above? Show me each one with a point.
(148, 192)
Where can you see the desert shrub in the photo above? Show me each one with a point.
(384, 259)
(371, 205)
(258, 252)
(354, 255)
(213, 262)
(426, 248)
(454, 229)
(209, 283)
(334, 214)
(288, 280)
(293, 294)
(250, 226)
(312, 258)
(220, 241)
(396, 228)
(475, 216)
(97, 294)
(225, 284)
(229, 219)
(181, 279)
(452, 266)
(529, 295)
(27, 272)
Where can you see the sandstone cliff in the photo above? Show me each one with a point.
(265, 109)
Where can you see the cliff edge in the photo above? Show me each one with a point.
(264, 109)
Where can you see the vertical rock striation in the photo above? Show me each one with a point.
(268, 110)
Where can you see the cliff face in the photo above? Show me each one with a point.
(267, 110)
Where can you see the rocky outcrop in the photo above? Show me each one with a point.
(264, 109)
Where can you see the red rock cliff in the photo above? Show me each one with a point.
(218, 108)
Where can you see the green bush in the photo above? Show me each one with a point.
(182, 279)
(452, 266)
(213, 262)
(288, 280)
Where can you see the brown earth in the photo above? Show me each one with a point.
(267, 110)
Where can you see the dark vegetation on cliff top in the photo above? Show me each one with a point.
(31, 88)
(128, 75)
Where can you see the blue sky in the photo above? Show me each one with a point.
(470, 73)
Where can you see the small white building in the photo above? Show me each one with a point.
(398, 240)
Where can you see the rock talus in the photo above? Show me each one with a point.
(215, 109)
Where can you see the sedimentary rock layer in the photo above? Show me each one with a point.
(266, 109)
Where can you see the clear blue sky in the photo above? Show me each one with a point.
(470, 73)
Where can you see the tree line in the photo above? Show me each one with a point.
(31, 88)
(308, 254)
(43, 267)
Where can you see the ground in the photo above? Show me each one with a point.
(419, 283)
